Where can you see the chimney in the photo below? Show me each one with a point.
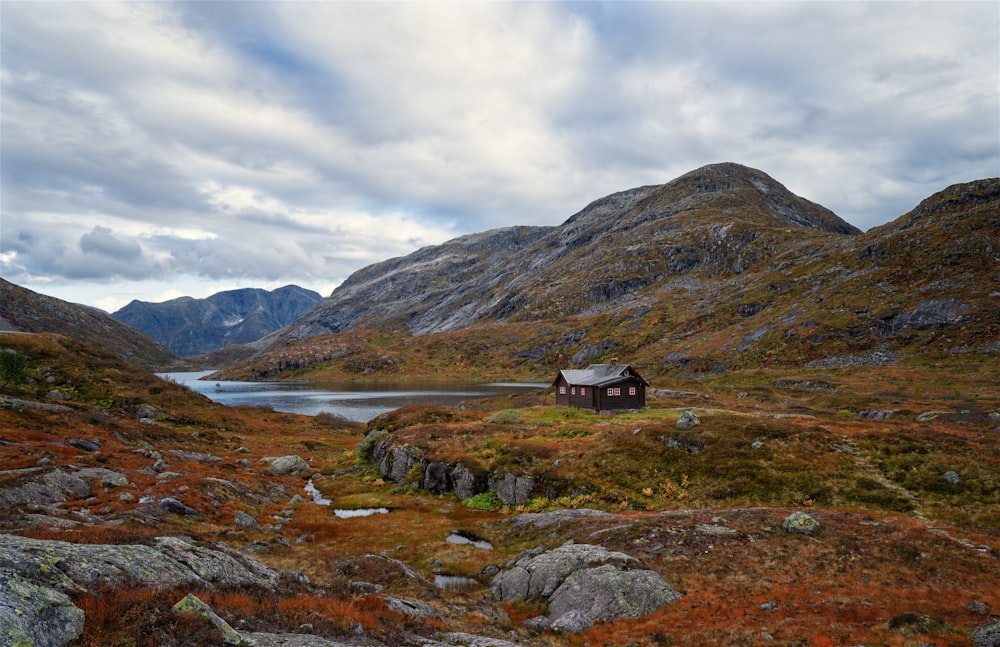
(614, 362)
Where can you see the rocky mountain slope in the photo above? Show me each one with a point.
(713, 272)
(717, 220)
(22, 310)
(190, 326)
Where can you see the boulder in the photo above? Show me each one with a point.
(987, 635)
(246, 521)
(583, 584)
(285, 465)
(608, 593)
(688, 420)
(32, 613)
(193, 604)
(800, 523)
(43, 487)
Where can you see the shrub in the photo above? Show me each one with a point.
(363, 451)
(12, 368)
(488, 501)
(506, 417)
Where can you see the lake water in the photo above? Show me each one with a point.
(359, 402)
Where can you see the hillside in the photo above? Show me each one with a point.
(22, 310)
(189, 326)
(700, 291)
(716, 221)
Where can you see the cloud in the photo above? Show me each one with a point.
(298, 142)
(101, 240)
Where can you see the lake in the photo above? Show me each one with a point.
(359, 402)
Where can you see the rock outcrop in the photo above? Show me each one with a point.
(583, 584)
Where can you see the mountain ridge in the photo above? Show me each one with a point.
(190, 326)
(487, 277)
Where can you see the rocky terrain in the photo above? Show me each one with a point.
(717, 220)
(189, 326)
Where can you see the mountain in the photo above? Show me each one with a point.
(717, 220)
(22, 310)
(190, 326)
(722, 269)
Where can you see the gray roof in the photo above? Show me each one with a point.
(600, 375)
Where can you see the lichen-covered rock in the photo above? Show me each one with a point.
(193, 604)
(246, 521)
(688, 420)
(987, 635)
(38, 486)
(607, 593)
(536, 576)
(285, 465)
(466, 483)
(584, 584)
(33, 614)
(171, 562)
(800, 523)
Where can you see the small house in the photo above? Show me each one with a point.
(601, 387)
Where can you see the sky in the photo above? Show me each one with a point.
(150, 150)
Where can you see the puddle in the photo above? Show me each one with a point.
(463, 537)
(454, 582)
(361, 512)
(316, 495)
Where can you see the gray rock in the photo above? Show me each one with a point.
(467, 484)
(437, 477)
(557, 517)
(800, 523)
(987, 635)
(688, 420)
(43, 487)
(977, 607)
(285, 465)
(159, 465)
(572, 621)
(512, 489)
(32, 613)
(193, 604)
(173, 506)
(114, 480)
(403, 460)
(411, 608)
(538, 624)
(607, 593)
(952, 477)
(534, 576)
(246, 521)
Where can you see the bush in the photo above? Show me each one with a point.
(488, 501)
(364, 449)
(506, 417)
(12, 368)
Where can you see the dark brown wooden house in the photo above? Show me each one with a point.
(601, 387)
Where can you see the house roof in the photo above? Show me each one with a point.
(600, 375)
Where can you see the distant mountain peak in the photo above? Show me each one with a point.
(190, 326)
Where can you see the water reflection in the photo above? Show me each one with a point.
(358, 402)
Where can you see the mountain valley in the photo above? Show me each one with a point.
(817, 464)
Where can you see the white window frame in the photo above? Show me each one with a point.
(631, 390)
(562, 390)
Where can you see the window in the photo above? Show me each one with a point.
(562, 390)
(612, 391)
(631, 390)
(583, 390)
(572, 391)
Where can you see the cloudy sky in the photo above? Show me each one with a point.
(152, 150)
